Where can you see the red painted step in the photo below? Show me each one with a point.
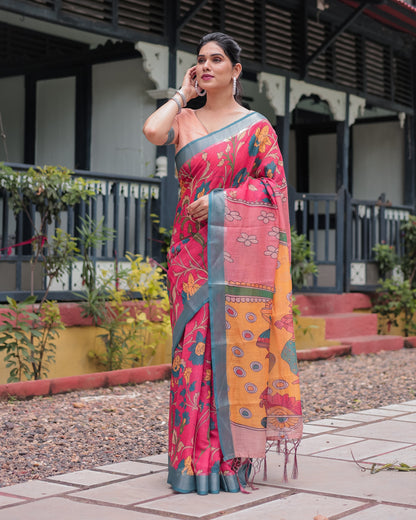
(349, 324)
(372, 343)
(314, 304)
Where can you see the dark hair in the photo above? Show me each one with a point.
(231, 49)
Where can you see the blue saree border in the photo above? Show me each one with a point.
(200, 144)
(190, 308)
(216, 289)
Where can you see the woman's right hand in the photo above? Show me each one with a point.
(188, 84)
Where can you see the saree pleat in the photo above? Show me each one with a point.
(235, 387)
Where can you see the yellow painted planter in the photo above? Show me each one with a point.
(77, 340)
(72, 350)
(310, 333)
(393, 330)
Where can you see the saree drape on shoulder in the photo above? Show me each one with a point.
(235, 387)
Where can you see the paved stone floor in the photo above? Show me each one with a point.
(330, 482)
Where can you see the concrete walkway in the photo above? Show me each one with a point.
(330, 482)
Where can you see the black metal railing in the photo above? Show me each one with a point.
(343, 232)
(319, 216)
(129, 206)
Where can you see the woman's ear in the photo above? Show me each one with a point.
(237, 70)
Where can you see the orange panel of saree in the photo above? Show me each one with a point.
(235, 387)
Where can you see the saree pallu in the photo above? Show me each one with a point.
(234, 387)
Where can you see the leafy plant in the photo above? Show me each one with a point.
(132, 335)
(41, 194)
(386, 258)
(302, 259)
(27, 338)
(90, 236)
(396, 300)
(165, 237)
(409, 259)
(47, 192)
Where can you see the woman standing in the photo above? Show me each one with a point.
(234, 388)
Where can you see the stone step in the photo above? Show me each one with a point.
(343, 325)
(325, 352)
(311, 304)
(372, 343)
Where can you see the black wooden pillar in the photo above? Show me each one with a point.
(343, 149)
(409, 196)
(283, 129)
(169, 187)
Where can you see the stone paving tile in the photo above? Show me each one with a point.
(411, 417)
(383, 512)
(389, 430)
(65, 509)
(324, 442)
(301, 506)
(357, 416)
(403, 407)
(131, 468)
(86, 477)
(198, 506)
(335, 423)
(6, 501)
(362, 450)
(382, 412)
(162, 458)
(130, 491)
(406, 455)
(37, 489)
(313, 430)
(410, 403)
(337, 477)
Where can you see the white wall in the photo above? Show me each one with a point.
(12, 109)
(120, 107)
(260, 102)
(378, 162)
(322, 163)
(55, 122)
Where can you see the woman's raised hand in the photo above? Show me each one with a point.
(188, 84)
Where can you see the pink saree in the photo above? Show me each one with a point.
(235, 387)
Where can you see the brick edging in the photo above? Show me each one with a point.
(323, 352)
(60, 385)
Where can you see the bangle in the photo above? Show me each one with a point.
(183, 97)
(176, 100)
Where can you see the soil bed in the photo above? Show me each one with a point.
(47, 436)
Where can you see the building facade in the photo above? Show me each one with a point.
(335, 77)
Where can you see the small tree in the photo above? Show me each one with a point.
(396, 299)
(303, 263)
(45, 192)
(131, 336)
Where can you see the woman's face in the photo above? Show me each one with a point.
(214, 69)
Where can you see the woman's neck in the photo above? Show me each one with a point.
(220, 101)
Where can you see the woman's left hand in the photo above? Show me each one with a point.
(198, 210)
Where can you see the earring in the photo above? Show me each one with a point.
(234, 86)
(199, 90)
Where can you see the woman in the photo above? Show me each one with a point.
(234, 388)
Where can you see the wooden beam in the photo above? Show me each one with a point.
(337, 33)
(191, 13)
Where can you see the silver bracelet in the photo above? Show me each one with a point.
(183, 97)
(176, 100)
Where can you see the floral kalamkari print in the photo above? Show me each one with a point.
(235, 387)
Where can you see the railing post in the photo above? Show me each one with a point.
(346, 229)
(291, 194)
(382, 219)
